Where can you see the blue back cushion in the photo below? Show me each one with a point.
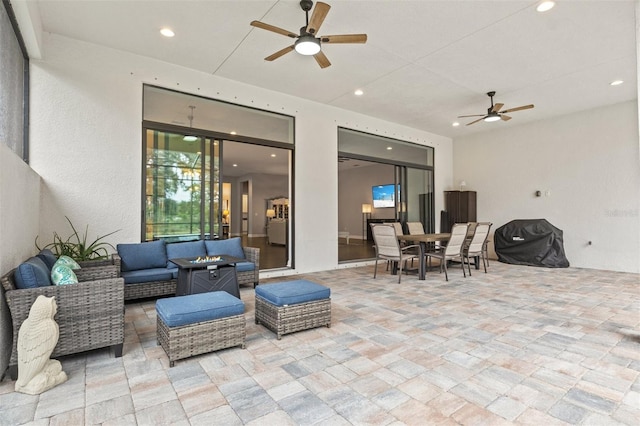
(143, 255)
(32, 273)
(47, 257)
(231, 246)
(186, 249)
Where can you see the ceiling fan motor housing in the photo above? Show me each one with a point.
(306, 5)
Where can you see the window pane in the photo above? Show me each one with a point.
(175, 179)
(374, 146)
(12, 83)
(167, 106)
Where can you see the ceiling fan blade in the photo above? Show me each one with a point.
(474, 115)
(497, 107)
(317, 17)
(520, 108)
(272, 28)
(504, 117)
(344, 38)
(279, 53)
(473, 122)
(322, 60)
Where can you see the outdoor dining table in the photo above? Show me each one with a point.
(423, 240)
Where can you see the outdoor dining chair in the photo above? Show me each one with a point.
(453, 249)
(476, 247)
(388, 248)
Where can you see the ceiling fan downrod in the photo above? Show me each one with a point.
(306, 5)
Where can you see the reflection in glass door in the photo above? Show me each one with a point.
(182, 187)
(416, 200)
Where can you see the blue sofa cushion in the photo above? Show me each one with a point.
(147, 275)
(245, 266)
(194, 308)
(47, 257)
(32, 273)
(142, 255)
(231, 246)
(186, 249)
(292, 292)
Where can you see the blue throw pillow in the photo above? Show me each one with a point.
(32, 273)
(47, 257)
(187, 249)
(143, 255)
(231, 247)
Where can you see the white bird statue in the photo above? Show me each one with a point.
(37, 338)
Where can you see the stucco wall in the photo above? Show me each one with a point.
(86, 143)
(586, 166)
(19, 217)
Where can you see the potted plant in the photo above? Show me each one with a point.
(77, 247)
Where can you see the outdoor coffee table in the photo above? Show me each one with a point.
(213, 273)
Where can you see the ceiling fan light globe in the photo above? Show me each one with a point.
(491, 118)
(307, 45)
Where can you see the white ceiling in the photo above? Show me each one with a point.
(425, 62)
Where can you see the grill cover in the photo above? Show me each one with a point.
(533, 242)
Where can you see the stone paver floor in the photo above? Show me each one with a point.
(519, 345)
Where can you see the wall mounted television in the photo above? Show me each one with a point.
(383, 195)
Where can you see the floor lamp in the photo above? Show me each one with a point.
(366, 214)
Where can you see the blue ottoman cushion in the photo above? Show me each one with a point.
(194, 308)
(292, 292)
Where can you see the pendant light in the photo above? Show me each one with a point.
(190, 138)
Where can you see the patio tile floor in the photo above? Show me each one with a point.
(519, 345)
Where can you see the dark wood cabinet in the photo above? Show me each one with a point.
(460, 207)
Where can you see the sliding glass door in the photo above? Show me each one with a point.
(416, 198)
(380, 180)
(182, 187)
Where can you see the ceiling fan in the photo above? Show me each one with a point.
(494, 113)
(307, 43)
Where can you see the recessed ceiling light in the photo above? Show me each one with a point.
(233, 132)
(616, 82)
(235, 165)
(545, 6)
(273, 155)
(389, 148)
(358, 92)
(167, 32)
(455, 124)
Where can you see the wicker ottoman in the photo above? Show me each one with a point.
(293, 306)
(199, 323)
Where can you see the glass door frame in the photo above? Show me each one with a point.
(208, 144)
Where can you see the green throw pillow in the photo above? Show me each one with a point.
(67, 261)
(62, 274)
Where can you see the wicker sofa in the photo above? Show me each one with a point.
(90, 313)
(148, 271)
